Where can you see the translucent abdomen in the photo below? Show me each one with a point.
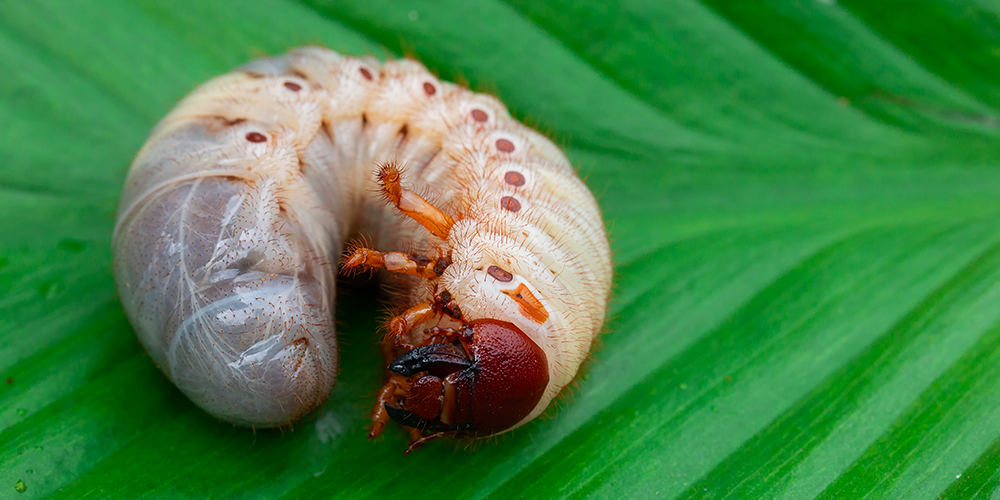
(222, 263)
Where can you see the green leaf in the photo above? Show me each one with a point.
(802, 196)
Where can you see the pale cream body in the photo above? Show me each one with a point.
(310, 186)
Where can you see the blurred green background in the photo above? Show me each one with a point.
(802, 197)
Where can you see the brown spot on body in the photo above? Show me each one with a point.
(510, 204)
(514, 178)
(294, 87)
(505, 146)
(256, 137)
(480, 115)
(366, 73)
(429, 88)
(500, 274)
(529, 305)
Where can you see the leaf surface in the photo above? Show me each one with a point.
(803, 202)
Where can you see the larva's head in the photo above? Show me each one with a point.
(484, 382)
(492, 281)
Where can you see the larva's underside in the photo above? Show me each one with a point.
(238, 206)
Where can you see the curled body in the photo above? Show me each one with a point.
(237, 208)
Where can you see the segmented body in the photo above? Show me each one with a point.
(238, 206)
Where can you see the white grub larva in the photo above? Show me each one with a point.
(241, 200)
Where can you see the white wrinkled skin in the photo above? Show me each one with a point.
(236, 210)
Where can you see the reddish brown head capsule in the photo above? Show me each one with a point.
(487, 381)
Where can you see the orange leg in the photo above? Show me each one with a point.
(438, 335)
(397, 262)
(400, 326)
(396, 386)
(417, 439)
(415, 434)
(411, 204)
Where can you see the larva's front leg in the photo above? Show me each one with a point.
(395, 387)
(401, 326)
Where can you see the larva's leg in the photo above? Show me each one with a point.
(438, 335)
(417, 439)
(401, 326)
(411, 204)
(396, 386)
(423, 312)
(408, 320)
(415, 435)
(397, 262)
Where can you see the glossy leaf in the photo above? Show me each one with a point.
(803, 198)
